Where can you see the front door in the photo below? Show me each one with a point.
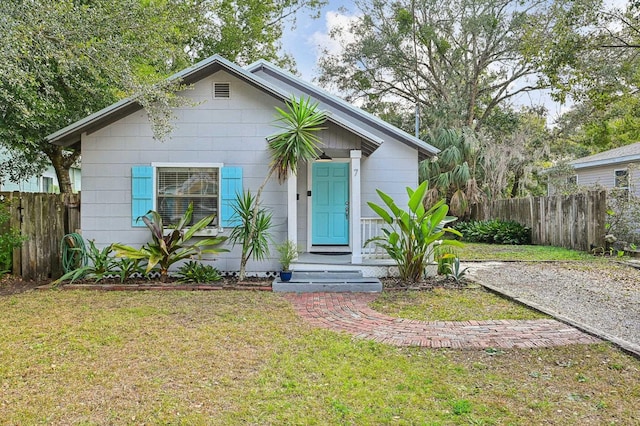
(330, 204)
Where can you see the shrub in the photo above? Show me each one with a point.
(101, 265)
(409, 237)
(172, 245)
(196, 272)
(494, 232)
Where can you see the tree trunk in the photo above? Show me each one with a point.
(62, 164)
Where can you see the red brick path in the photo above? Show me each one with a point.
(350, 312)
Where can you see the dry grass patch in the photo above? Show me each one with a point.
(155, 357)
(238, 358)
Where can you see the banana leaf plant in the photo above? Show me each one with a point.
(410, 236)
(169, 246)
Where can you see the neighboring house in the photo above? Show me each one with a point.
(616, 168)
(47, 182)
(218, 147)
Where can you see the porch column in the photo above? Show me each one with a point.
(354, 205)
(292, 208)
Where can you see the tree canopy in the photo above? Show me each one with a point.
(65, 59)
(458, 60)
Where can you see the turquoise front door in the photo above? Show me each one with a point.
(330, 204)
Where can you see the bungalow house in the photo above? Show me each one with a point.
(218, 147)
(616, 168)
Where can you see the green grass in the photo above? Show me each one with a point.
(442, 304)
(236, 358)
(478, 251)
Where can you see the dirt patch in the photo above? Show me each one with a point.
(10, 284)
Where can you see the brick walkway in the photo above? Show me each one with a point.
(350, 312)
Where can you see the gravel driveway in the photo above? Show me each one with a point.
(601, 298)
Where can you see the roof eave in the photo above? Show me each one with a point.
(425, 150)
(606, 162)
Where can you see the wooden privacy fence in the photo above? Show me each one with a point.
(570, 221)
(44, 219)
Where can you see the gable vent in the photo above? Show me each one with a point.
(221, 90)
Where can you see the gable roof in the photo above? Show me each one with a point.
(343, 107)
(624, 154)
(71, 135)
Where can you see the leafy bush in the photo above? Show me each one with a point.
(411, 236)
(196, 272)
(10, 239)
(167, 248)
(494, 232)
(101, 264)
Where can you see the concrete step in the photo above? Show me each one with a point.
(328, 282)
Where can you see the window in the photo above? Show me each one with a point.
(177, 187)
(621, 180)
(168, 188)
(47, 185)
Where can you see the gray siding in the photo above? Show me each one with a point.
(230, 131)
(605, 176)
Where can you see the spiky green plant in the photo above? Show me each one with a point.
(254, 244)
(297, 141)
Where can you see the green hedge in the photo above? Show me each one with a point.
(494, 232)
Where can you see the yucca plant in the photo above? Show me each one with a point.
(173, 245)
(297, 141)
(254, 244)
(409, 237)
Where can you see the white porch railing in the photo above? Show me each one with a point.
(372, 227)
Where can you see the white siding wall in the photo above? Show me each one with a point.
(230, 131)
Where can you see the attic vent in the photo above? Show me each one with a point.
(221, 91)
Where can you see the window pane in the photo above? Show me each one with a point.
(178, 186)
(621, 179)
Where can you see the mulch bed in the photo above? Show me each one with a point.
(14, 285)
(429, 283)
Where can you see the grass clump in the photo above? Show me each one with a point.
(442, 304)
(481, 251)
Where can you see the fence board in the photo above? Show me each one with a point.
(571, 221)
(44, 219)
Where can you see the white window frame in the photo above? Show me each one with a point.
(210, 230)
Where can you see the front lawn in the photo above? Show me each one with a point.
(201, 358)
(481, 251)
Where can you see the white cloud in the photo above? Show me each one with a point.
(338, 21)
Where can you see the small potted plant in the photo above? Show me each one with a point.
(288, 252)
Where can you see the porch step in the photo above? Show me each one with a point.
(328, 282)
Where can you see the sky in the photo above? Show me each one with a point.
(306, 42)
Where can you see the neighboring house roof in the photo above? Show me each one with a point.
(71, 134)
(624, 154)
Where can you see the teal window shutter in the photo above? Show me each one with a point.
(231, 184)
(141, 193)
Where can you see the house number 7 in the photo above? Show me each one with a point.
(355, 172)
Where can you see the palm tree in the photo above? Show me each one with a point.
(297, 141)
(453, 175)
